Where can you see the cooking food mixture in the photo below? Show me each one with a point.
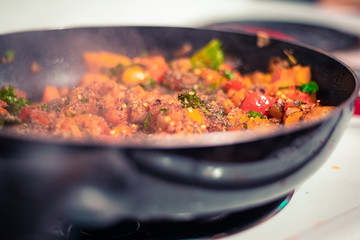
(121, 97)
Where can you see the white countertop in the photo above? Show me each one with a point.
(17, 15)
(332, 190)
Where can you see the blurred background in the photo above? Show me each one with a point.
(331, 25)
(18, 15)
(343, 15)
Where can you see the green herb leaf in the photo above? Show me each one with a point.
(228, 74)
(165, 110)
(84, 100)
(116, 71)
(210, 56)
(148, 85)
(309, 88)
(44, 107)
(8, 57)
(189, 99)
(146, 122)
(15, 104)
(254, 114)
(281, 88)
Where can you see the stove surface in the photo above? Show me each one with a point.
(331, 191)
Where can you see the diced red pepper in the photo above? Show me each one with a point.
(25, 114)
(236, 85)
(297, 95)
(257, 102)
(32, 113)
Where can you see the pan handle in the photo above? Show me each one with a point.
(104, 194)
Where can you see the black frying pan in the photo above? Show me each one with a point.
(95, 184)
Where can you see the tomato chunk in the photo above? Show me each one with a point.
(258, 102)
(236, 85)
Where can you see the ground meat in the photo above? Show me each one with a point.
(177, 80)
(82, 100)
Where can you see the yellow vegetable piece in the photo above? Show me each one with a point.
(195, 115)
(257, 122)
(134, 75)
(293, 118)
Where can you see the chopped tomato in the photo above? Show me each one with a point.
(34, 114)
(236, 85)
(258, 102)
(294, 94)
(156, 66)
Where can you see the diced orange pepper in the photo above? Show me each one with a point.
(257, 122)
(195, 115)
(96, 61)
(228, 105)
(237, 96)
(3, 111)
(293, 118)
(121, 129)
(64, 91)
(237, 116)
(302, 74)
(50, 93)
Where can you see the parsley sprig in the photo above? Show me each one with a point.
(254, 114)
(189, 99)
(309, 88)
(15, 103)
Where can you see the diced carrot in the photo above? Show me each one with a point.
(318, 112)
(237, 116)
(293, 118)
(64, 91)
(302, 74)
(122, 130)
(257, 122)
(96, 61)
(50, 93)
(195, 115)
(236, 128)
(237, 96)
(3, 111)
(284, 78)
(291, 77)
(261, 78)
(228, 105)
(67, 126)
